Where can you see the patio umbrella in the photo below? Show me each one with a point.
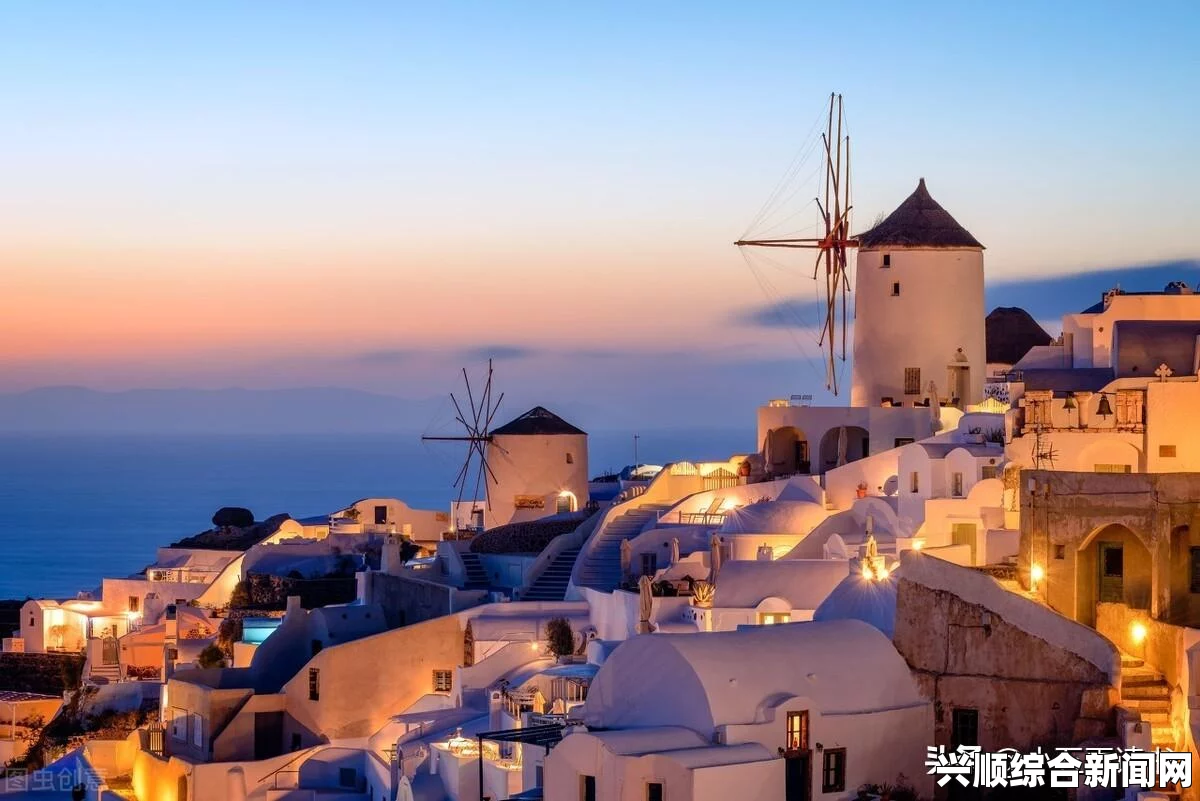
(404, 791)
(645, 604)
(626, 557)
(674, 550)
(714, 547)
(935, 407)
(842, 445)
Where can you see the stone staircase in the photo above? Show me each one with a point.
(477, 578)
(551, 585)
(1145, 690)
(104, 674)
(601, 569)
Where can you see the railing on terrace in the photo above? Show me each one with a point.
(702, 518)
(285, 780)
(515, 703)
(414, 756)
(286, 770)
(630, 493)
(791, 400)
(182, 576)
(551, 719)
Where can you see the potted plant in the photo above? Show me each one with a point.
(862, 489)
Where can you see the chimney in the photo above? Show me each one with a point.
(363, 584)
(293, 607)
(389, 561)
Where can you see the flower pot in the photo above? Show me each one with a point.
(862, 493)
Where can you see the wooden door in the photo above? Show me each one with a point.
(1112, 572)
(797, 773)
(111, 652)
(964, 534)
(268, 734)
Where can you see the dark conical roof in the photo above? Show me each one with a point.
(919, 222)
(1010, 333)
(538, 420)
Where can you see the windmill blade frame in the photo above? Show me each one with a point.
(477, 435)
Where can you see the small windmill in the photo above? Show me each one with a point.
(832, 242)
(477, 426)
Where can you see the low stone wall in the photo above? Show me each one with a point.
(39, 673)
(406, 601)
(1163, 646)
(1027, 691)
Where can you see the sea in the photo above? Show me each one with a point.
(76, 508)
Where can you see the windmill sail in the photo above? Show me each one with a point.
(476, 422)
(831, 240)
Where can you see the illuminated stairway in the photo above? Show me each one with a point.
(1145, 690)
(476, 576)
(551, 585)
(602, 568)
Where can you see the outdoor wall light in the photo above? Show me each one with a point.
(918, 544)
(1036, 574)
(1138, 632)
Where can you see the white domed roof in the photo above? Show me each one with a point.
(774, 517)
(702, 681)
(873, 601)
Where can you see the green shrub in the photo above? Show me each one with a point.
(560, 638)
(212, 657)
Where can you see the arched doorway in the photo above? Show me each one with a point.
(565, 503)
(1113, 566)
(785, 452)
(838, 448)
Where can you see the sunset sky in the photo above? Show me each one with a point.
(372, 194)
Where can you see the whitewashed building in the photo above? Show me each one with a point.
(819, 710)
(919, 343)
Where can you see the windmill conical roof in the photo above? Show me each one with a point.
(538, 420)
(919, 221)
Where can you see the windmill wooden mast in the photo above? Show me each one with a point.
(477, 436)
(831, 248)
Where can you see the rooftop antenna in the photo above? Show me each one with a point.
(477, 427)
(833, 206)
(1044, 452)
